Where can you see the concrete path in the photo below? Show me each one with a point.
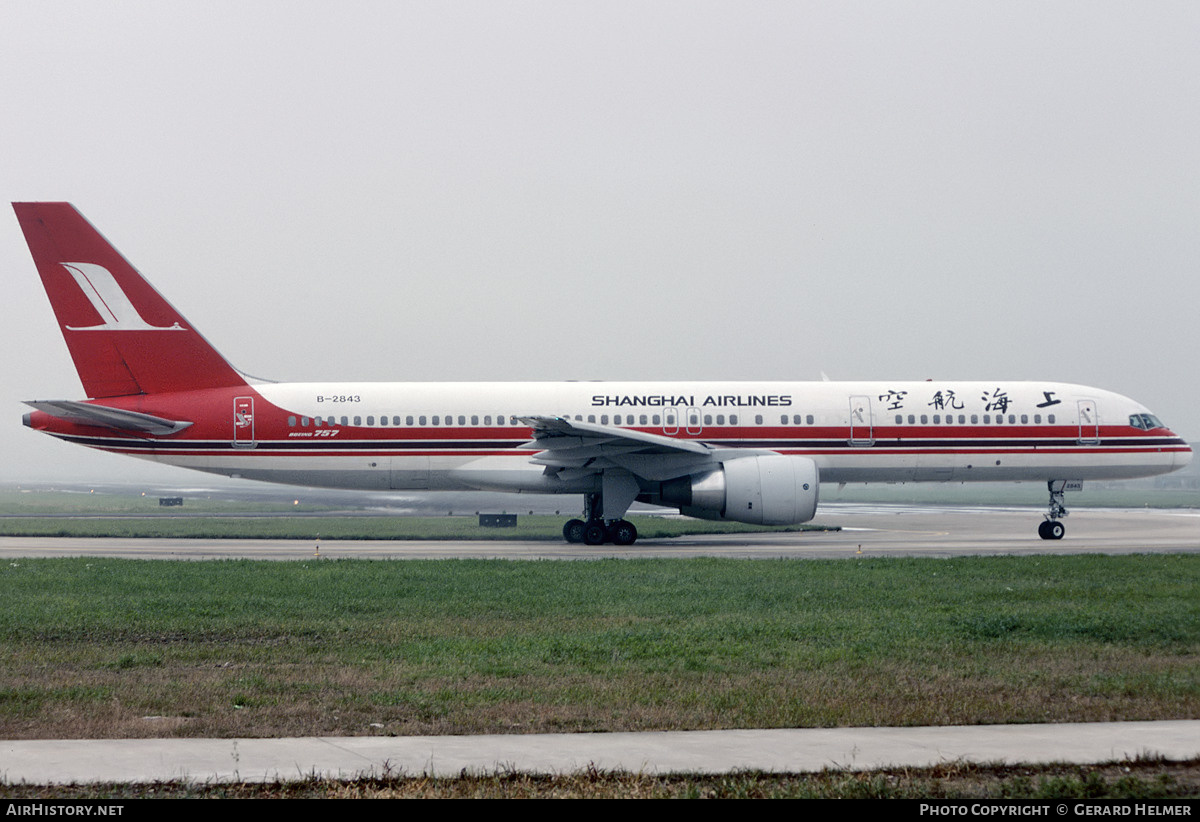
(786, 750)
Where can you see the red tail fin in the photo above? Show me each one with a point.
(124, 337)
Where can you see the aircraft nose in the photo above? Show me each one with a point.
(1183, 458)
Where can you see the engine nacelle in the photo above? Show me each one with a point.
(762, 490)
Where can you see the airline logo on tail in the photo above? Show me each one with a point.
(110, 301)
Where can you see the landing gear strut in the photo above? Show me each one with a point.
(595, 529)
(1051, 528)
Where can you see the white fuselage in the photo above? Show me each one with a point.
(469, 435)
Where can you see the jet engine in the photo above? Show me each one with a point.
(762, 490)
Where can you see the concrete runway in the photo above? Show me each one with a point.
(867, 530)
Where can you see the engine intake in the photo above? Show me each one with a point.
(761, 490)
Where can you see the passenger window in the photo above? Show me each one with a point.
(810, 419)
(358, 420)
(642, 419)
(437, 420)
(591, 417)
(783, 419)
(733, 419)
(487, 420)
(291, 422)
(708, 419)
(937, 418)
(911, 419)
(1037, 419)
(657, 419)
(924, 419)
(462, 420)
(1050, 419)
(370, 420)
(408, 420)
(899, 419)
(758, 419)
(345, 420)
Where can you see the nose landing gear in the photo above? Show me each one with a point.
(1051, 528)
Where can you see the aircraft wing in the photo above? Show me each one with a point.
(84, 413)
(570, 448)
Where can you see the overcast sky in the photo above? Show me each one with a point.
(554, 190)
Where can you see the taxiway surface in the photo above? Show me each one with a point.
(866, 530)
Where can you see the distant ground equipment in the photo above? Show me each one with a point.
(167, 502)
(497, 520)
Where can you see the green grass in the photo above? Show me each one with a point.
(42, 501)
(1093, 495)
(1138, 780)
(42, 513)
(355, 527)
(89, 647)
(124, 514)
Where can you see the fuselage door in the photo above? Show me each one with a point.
(862, 426)
(671, 420)
(1089, 423)
(693, 420)
(243, 422)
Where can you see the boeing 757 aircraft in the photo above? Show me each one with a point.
(745, 451)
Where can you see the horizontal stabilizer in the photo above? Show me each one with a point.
(84, 413)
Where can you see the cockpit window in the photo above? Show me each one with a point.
(1145, 421)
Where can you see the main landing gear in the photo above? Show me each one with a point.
(596, 530)
(1051, 528)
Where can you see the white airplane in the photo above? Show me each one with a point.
(746, 451)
